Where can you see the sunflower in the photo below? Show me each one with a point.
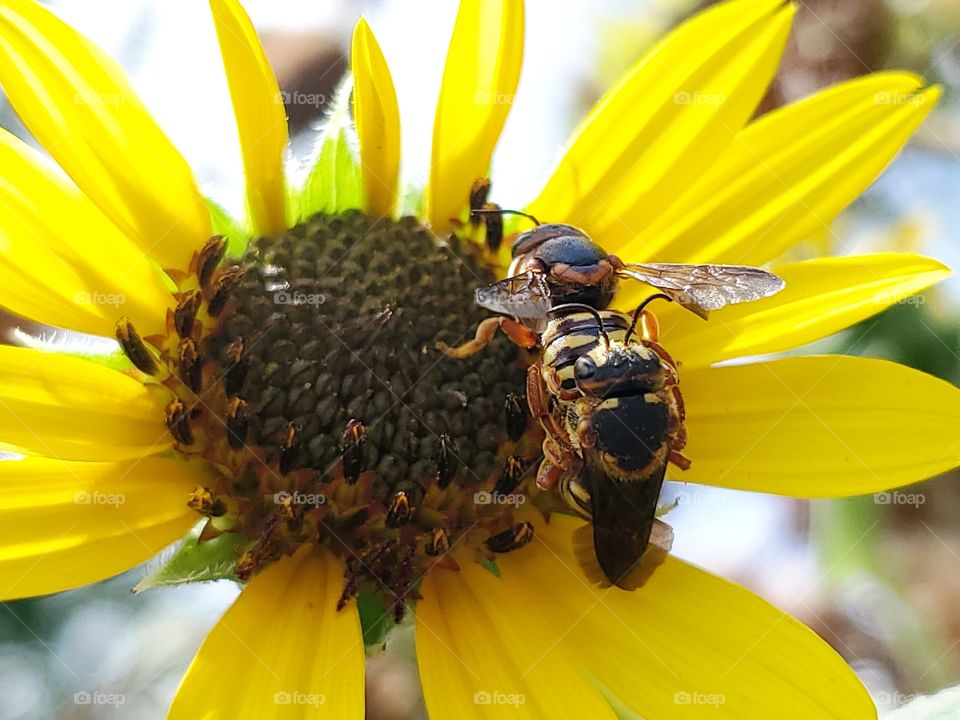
(279, 406)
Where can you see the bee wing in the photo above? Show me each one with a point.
(702, 288)
(624, 514)
(521, 296)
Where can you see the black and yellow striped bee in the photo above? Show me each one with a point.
(605, 392)
(610, 404)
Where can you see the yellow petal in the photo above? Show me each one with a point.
(78, 103)
(377, 118)
(663, 125)
(64, 524)
(281, 651)
(84, 273)
(261, 118)
(789, 174)
(479, 81)
(64, 407)
(685, 646)
(823, 426)
(821, 297)
(49, 295)
(473, 650)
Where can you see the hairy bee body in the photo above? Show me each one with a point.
(613, 416)
(603, 389)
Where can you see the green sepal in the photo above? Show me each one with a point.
(376, 620)
(490, 566)
(193, 561)
(115, 361)
(412, 201)
(223, 223)
(332, 183)
(619, 706)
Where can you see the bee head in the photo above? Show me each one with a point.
(617, 371)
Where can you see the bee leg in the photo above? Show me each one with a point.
(676, 430)
(559, 456)
(520, 334)
(649, 327)
(679, 459)
(548, 475)
(663, 355)
(558, 461)
(486, 330)
(538, 400)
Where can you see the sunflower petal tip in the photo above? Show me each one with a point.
(934, 91)
(480, 78)
(377, 121)
(261, 118)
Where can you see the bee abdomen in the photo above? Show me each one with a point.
(632, 430)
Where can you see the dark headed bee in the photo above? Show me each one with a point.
(610, 405)
(558, 264)
(605, 392)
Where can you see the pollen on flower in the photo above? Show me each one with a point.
(306, 375)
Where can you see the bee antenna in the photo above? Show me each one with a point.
(640, 309)
(581, 307)
(498, 211)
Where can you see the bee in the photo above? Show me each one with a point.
(603, 389)
(558, 264)
(555, 264)
(610, 405)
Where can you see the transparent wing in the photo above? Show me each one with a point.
(522, 296)
(702, 288)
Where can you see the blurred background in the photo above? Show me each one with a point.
(875, 576)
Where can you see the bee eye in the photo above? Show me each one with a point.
(585, 368)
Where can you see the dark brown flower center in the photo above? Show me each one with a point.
(306, 374)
